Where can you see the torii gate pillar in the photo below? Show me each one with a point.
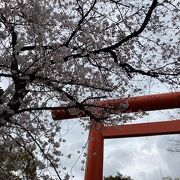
(94, 162)
(98, 132)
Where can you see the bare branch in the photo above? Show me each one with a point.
(80, 23)
(6, 75)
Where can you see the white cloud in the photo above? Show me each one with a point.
(143, 158)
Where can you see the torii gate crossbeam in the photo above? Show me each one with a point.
(97, 134)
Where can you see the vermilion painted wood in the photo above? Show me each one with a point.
(144, 103)
(94, 161)
(142, 129)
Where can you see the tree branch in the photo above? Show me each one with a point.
(80, 22)
(41, 149)
(127, 38)
(28, 48)
(129, 69)
(134, 34)
(44, 109)
(6, 75)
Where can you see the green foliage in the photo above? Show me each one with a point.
(16, 163)
(119, 176)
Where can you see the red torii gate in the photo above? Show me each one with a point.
(98, 132)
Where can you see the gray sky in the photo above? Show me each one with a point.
(144, 158)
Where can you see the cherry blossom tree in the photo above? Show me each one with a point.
(66, 53)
